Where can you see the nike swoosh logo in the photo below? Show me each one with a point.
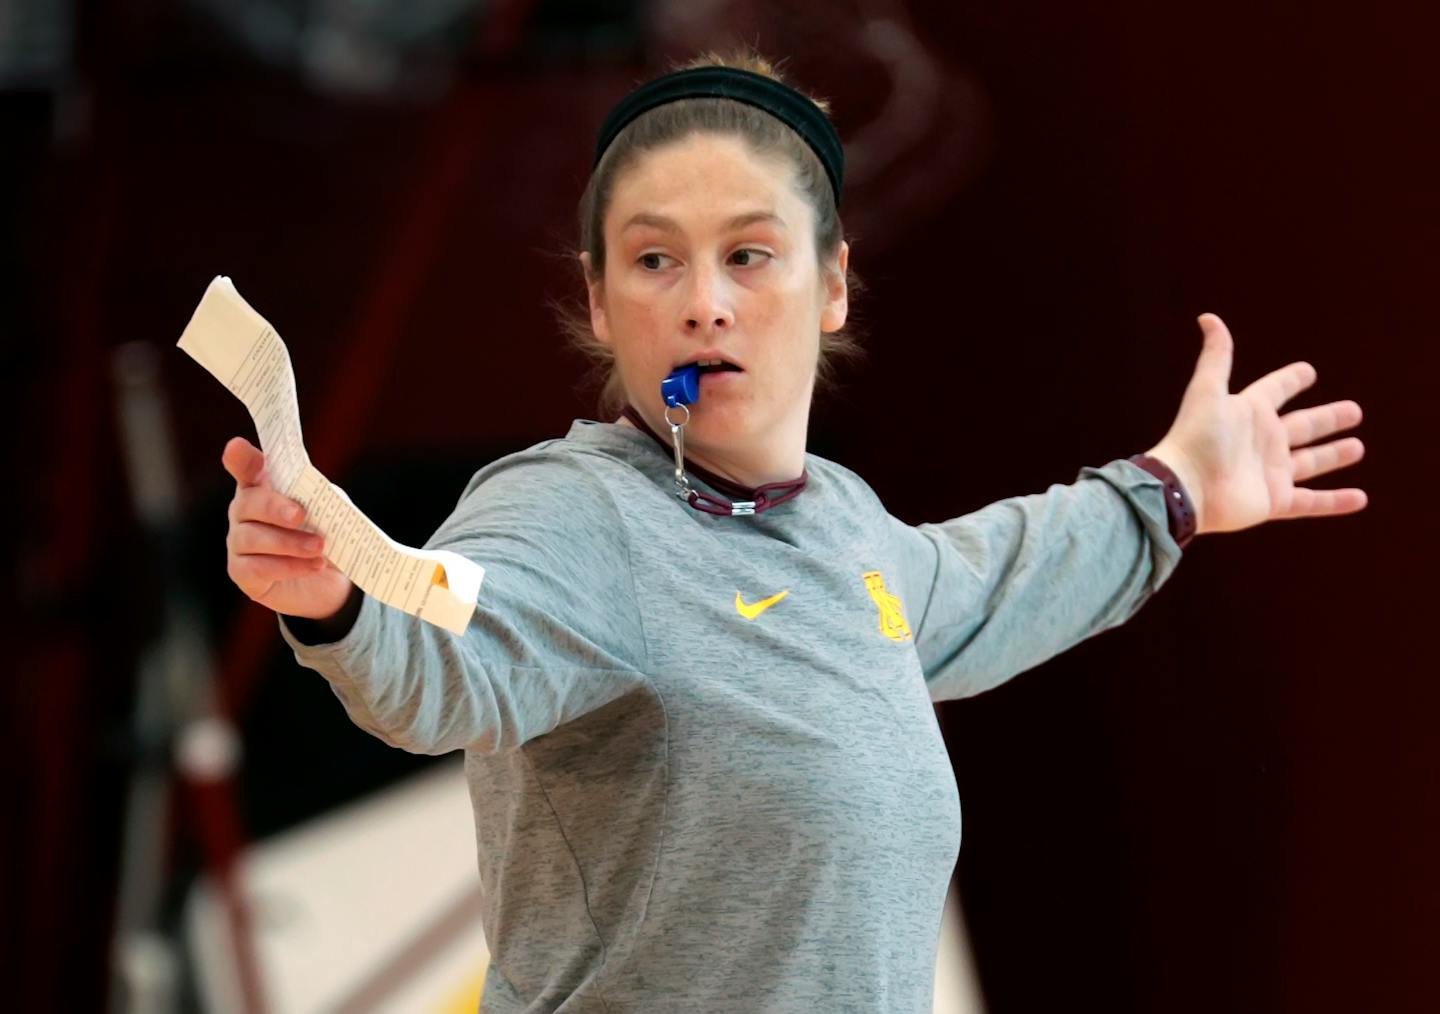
(752, 610)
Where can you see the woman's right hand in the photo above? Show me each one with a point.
(268, 554)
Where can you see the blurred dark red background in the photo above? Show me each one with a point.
(1228, 804)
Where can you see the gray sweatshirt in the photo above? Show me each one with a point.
(704, 763)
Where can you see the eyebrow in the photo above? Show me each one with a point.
(670, 225)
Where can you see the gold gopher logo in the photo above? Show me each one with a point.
(892, 614)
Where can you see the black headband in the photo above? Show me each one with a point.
(781, 101)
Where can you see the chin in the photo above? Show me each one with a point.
(724, 422)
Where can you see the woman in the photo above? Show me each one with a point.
(704, 764)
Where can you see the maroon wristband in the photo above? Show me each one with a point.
(1178, 508)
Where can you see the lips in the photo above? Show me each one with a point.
(711, 363)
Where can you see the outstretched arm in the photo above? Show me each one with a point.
(1240, 460)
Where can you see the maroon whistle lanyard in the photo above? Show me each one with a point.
(750, 500)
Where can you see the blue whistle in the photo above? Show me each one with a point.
(682, 387)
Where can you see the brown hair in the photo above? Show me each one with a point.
(669, 123)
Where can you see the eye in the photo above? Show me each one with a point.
(749, 257)
(651, 261)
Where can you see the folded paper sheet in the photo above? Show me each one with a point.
(243, 352)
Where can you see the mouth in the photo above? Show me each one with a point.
(712, 365)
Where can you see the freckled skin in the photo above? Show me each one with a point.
(754, 292)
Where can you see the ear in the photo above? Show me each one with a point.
(593, 285)
(837, 293)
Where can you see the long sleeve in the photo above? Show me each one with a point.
(556, 632)
(998, 591)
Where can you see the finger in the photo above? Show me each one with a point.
(1279, 386)
(1217, 354)
(252, 538)
(1307, 425)
(1313, 503)
(255, 574)
(1309, 462)
(263, 503)
(244, 461)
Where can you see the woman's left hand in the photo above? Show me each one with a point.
(1239, 459)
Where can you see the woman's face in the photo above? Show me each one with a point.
(710, 253)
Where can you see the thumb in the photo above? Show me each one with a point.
(1217, 355)
(244, 461)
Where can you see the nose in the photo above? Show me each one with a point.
(708, 306)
